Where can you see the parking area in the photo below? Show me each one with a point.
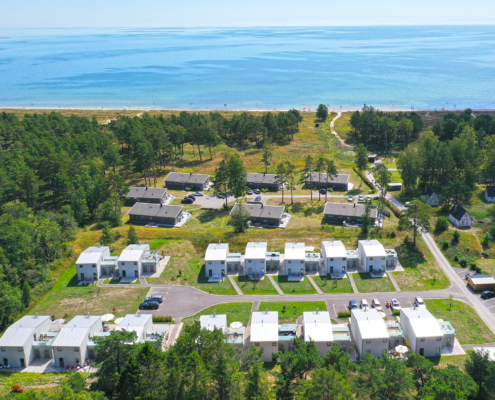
(489, 303)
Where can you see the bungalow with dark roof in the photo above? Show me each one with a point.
(339, 182)
(268, 215)
(147, 195)
(263, 181)
(156, 213)
(428, 196)
(490, 194)
(181, 180)
(459, 217)
(350, 213)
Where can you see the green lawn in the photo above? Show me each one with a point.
(366, 284)
(458, 361)
(467, 247)
(114, 281)
(235, 312)
(421, 270)
(192, 274)
(304, 287)
(327, 285)
(255, 287)
(469, 327)
(29, 380)
(66, 299)
(294, 309)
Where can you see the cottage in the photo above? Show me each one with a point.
(25, 340)
(372, 255)
(320, 181)
(264, 333)
(395, 186)
(90, 261)
(255, 258)
(295, 259)
(490, 194)
(369, 331)
(181, 180)
(214, 321)
(459, 217)
(334, 257)
(131, 260)
(317, 327)
(156, 213)
(71, 346)
(263, 181)
(147, 195)
(142, 324)
(216, 259)
(480, 283)
(425, 334)
(261, 214)
(372, 158)
(428, 196)
(338, 213)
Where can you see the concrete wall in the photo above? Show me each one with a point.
(268, 350)
(294, 266)
(257, 266)
(430, 345)
(339, 264)
(375, 347)
(129, 267)
(216, 267)
(323, 347)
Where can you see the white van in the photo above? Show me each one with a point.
(376, 305)
(364, 304)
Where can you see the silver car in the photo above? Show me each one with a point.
(394, 305)
(376, 305)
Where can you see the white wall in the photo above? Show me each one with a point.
(268, 350)
(339, 264)
(375, 347)
(294, 266)
(257, 266)
(129, 267)
(88, 270)
(489, 199)
(216, 267)
(429, 345)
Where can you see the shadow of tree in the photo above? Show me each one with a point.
(409, 257)
(210, 215)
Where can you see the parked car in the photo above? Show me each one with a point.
(196, 194)
(350, 198)
(395, 305)
(187, 200)
(257, 191)
(191, 196)
(376, 305)
(361, 198)
(418, 302)
(149, 305)
(364, 303)
(250, 191)
(368, 198)
(158, 298)
(148, 299)
(407, 204)
(323, 191)
(352, 304)
(487, 294)
(257, 198)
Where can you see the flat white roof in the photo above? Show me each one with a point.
(91, 255)
(74, 333)
(217, 252)
(370, 323)
(135, 320)
(211, 322)
(22, 330)
(423, 323)
(480, 279)
(133, 252)
(256, 250)
(317, 326)
(334, 248)
(373, 248)
(264, 326)
(295, 251)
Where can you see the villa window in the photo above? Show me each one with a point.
(383, 258)
(80, 266)
(59, 348)
(368, 351)
(222, 262)
(290, 262)
(250, 261)
(331, 259)
(4, 349)
(262, 261)
(385, 340)
(422, 339)
(438, 339)
(343, 259)
(135, 262)
(94, 265)
(76, 348)
(209, 262)
(274, 343)
(329, 343)
(257, 344)
(19, 349)
(123, 263)
(371, 258)
(368, 341)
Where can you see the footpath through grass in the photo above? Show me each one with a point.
(366, 284)
(469, 327)
(293, 310)
(255, 287)
(235, 312)
(327, 284)
(303, 287)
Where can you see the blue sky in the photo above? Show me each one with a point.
(235, 13)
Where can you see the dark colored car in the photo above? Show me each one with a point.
(149, 305)
(257, 198)
(487, 294)
(257, 191)
(323, 191)
(187, 200)
(148, 299)
(158, 297)
(352, 305)
(190, 196)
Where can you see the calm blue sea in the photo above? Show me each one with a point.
(257, 68)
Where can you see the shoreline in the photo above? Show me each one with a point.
(147, 109)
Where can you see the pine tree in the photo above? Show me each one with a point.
(257, 387)
(132, 236)
(107, 235)
(26, 294)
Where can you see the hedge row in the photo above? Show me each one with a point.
(344, 314)
(394, 209)
(160, 319)
(365, 180)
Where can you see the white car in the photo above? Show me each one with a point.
(198, 194)
(376, 305)
(394, 305)
(418, 302)
(350, 198)
(407, 204)
(364, 304)
(361, 198)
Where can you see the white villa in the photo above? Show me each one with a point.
(372, 255)
(334, 257)
(70, 347)
(255, 259)
(89, 262)
(264, 333)
(142, 324)
(131, 260)
(318, 328)
(216, 260)
(426, 335)
(215, 321)
(369, 331)
(19, 345)
(295, 258)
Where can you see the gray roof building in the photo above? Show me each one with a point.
(263, 214)
(348, 210)
(156, 210)
(182, 180)
(147, 194)
(315, 178)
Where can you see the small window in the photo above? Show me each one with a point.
(262, 261)
(222, 262)
(4, 349)
(368, 351)
(19, 349)
(438, 339)
(94, 265)
(274, 343)
(257, 344)
(135, 262)
(368, 341)
(371, 258)
(76, 348)
(59, 348)
(331, 259)
(209, 262)
(301, 262)
(329, 343)
(250, 261)
(383, 258)
(80, 266)
(343, 259)
(422, 339)
(290, 262)
(123, 263)
(385, 340)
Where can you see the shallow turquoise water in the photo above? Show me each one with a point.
(262, 68)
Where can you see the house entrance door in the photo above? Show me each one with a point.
(123, 273)
(47, 354)
(136, 274)
(5, 362)
(61, 362)
(23, 364)
(422, 352)
(331, 270)
(210, 272)
(82, 276)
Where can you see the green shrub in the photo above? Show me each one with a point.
(472, 266)
(445, 244)
(478, 270)
(467, 249)
(463, 262)
(445, 208)
(396, 313)
(163, 319)
(456, 257)
(393, 234)
(406, 239)
(442, 224)
(264, 190)
(344, 314)
(485, 254)
(456, 235)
